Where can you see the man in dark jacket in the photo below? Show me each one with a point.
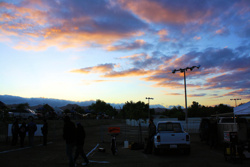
(45, 132)
(151, 133)
(80, 138)
(15, 131)
(69, 135)
(31, 131)
(22, 133)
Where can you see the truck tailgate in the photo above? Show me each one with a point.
(173, 138)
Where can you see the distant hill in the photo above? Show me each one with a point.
(10, 100)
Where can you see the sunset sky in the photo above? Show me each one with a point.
(125, 50)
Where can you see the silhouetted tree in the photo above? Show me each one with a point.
(135, 111)
(48, 111)
(79, 109)
(66, 111)
(197, 110)
(101, 107)
(175, 112)
(22, 106)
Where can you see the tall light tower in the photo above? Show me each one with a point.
(149, 98)
(183, 70)
(235, 101)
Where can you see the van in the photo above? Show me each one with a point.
(25, 114)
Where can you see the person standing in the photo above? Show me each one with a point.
(22, 133)
(45, 132)
(69, 135)
(15, 131)
(80, 138)
(31, 131)
(151, 133)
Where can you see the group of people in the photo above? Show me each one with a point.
(31, 128)
(74, 137)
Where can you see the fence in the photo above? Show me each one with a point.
(193, 123)
(127, 133)
(130, 130)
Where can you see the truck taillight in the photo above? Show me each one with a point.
(158, 138)
(187, 138)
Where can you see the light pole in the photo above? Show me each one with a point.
(184, 71)
(149, 98)
(235, 101)
(235, 127)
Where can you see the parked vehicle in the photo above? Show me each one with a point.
(25, 114)
(170, 135)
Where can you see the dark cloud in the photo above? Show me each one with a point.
(197, 95)
(149, 63)
(234, 80)
(125, 46)
(97, 16)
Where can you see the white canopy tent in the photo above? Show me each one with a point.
(243, 109)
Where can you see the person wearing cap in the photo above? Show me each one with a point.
(151, 132)
(80, 138)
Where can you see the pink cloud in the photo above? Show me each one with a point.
(127, 73)
(153, 11)
(40, 25)
(197, 38)
(174, 94)
(96, 69)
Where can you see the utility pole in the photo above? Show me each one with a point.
(183, 70)
(235, 101)
(149, 98)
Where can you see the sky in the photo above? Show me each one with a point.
(125, 50)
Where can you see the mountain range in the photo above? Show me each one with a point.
(9, 99)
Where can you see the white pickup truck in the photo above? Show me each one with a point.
(171, 135)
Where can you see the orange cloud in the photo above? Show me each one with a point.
(155, 12)
(174, 94)
(96, 69)
(197, 38)
(67, 39)
(138, 56)
(162, 33)
(38, 25)
(127, 73)
(222, 31)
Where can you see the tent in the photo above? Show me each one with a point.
(243, 109)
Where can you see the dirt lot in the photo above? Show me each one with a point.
(53, 155)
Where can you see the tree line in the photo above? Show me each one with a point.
(197, 110)
(137, 110)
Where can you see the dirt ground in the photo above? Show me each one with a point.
(54, 155)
